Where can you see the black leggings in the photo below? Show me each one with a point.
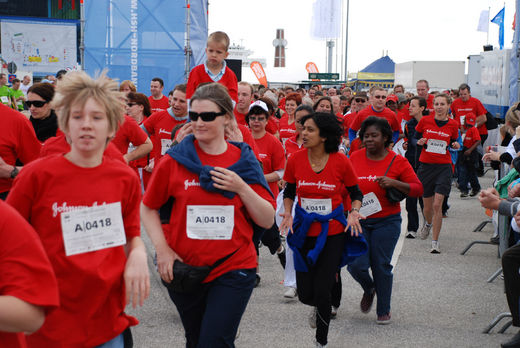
(314, 287)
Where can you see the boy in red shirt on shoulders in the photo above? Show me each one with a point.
(215, 68)
(468, 160)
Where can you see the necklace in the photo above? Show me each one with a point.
(321, 162)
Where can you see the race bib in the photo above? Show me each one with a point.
(462, 119)
(19, 104)
(93, 228)
(4, 99)
(165, 145)
(370, 204)
(318, 206)
(210, 221)
(436, 146)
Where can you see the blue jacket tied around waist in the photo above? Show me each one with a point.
(354, 246)
(247, 167)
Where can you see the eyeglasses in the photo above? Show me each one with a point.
(380, 96)
(130, 104)
(36, 103)
(256, 118)
(206, 116)
(359, 100)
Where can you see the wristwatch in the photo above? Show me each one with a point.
(14, 172)
(354, 209)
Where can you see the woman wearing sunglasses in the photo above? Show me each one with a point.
(43, 118)
(85, 208)
(218, 188)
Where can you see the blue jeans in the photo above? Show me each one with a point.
(211, 315)
(117, 342)
(381, 235)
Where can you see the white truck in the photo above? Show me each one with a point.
(440, 75)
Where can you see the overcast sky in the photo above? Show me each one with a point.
(408, 29)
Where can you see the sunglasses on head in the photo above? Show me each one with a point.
(35, 103)
(205, 116)
(380, 96)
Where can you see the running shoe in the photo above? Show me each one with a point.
(319, 345)
(463, 194)
(384, 319)
(435, 247)
(411, 234)
(312, 317)
(333, 312)
(425, 231)
(474, 193)
(290, 293)
(367, 300)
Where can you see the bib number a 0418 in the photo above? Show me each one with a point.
(436, 146)
(210, 221)
(93, 228)
(318, 206)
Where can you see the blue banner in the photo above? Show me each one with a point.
(138, 40)
(499, 20)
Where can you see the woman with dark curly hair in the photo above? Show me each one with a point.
(318, 175)
(379, 169)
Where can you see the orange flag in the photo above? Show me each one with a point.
(259, 72)
(311, 68)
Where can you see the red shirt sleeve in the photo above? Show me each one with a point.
(278, 155)
(349, 175)
(289, 174)
(156, 193)
(408, 176)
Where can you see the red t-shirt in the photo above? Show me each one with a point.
(249, 140)
(272, 157)
(171, 179)
(291, 146)
(429, 103)
(368, 170)
(386, 113)
(159, 127)
(25, 270)
(17, 141)
(286, 130)
(272, 125)
(240, 117)
(329, 184)
(438, 139)
(159, 104)
(129, 132)
(91, 284)
(198, 75)
(347, 121)
(58, 146)
(471, 137)
(460, 108)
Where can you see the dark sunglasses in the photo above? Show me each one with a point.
(359, 100)
(206, 116)
(380, 96)
(130, 104)
(257, 118)
(36, 103)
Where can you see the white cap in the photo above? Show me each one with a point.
(260, 104)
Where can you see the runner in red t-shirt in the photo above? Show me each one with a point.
(379, 169)
(131, 140)
(468, 158)
(17, 141)
(245, 98)
(158, 101)
(215, 68)
(287, 126)
(435, 134)
(466, 104)
(82, 191)
(318, 176)
(207, 226)
(28, 288)
(422, 88)
(378, 109)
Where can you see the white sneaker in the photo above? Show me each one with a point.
(312, 317)
(319, 345)
(290, 293)
(435, 247)
(425, 231)
(411, 234)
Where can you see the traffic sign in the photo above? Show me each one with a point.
(324, 76)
